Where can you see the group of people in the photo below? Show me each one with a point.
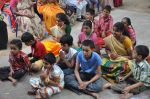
(124, 64)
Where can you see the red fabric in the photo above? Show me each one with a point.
(38, 50)
(2, 2)
(105, 24)
(12, 18)
(20, 61)
(100, 41)
(117, 3)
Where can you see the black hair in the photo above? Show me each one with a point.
(87, 23)
(17, 42)
(66, 39)
(91, 11)
(50, 58)
(108, 8)
(63, 17)
(27, 37)
(120, 28)
(129, 23)
(89, 43)
(128, 20)
(142, 50)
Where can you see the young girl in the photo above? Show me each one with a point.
(51, 80)
(128, 27)
(87, 33)
(105, 25)
(19, 63)
(62, 27)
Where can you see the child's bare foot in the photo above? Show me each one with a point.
(126, 96)
(95, 95)
(107, 85)
(14, 82)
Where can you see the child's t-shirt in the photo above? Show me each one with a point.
(70, 54)
(141, 72)
(38, 50)
(90, 65)
(20, 61)
(57, 72)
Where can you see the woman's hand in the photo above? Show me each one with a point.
(113, 56)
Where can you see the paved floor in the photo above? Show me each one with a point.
(141, 23)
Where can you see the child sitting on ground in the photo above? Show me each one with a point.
(19, 63)
(67, 55)
(105, 25)
(138, 80)
(51, 80)
(38, 51)
(87, 71)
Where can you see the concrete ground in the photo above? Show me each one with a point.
(141, 23)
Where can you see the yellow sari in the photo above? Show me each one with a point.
(117, 47)
(49, 11)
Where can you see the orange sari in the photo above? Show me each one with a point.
(49, 11)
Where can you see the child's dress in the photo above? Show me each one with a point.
(47, 91)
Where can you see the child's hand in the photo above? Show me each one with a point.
(11, 73)
(62, 55)
(83, 85)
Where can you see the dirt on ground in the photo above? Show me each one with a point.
(136, 5)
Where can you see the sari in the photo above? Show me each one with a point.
(26, 24)
(113, 69)
(49, 11)
(121, 66)
(117, 47)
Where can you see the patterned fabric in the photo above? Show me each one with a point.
(115, 68)
(105, 24)
(38, 50)
(141, 72)
(7, 11)
(13, 3)
(45, 90)
(26, 24)
(132, 33)
(21, 61)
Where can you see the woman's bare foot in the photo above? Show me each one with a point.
(95, 95)
(126, 96)
(107, 85)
